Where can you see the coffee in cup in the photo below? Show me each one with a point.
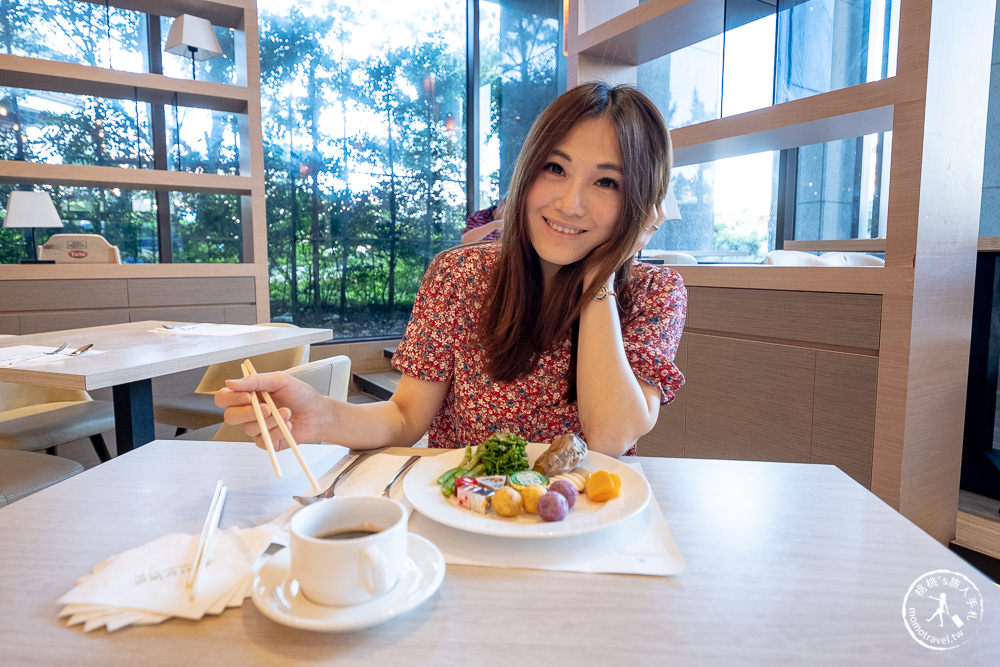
(346, 551)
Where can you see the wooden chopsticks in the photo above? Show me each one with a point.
(248, 369)
(207, 531)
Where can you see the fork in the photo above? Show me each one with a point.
(328, 493)
(403, 468)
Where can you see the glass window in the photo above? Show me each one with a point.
(364, 145)
(520, 66)
(71, 31)
(58, 128)
(126, 218)
(205, 227)
(727, 209)
(841, 188)
(202, 140)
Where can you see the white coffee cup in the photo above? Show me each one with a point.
(346, 551)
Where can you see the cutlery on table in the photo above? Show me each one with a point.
(80, 350)
(59, 349)
(309, 500)
(403, 468)
(32, 356)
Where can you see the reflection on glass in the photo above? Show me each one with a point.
(841, 188)
(202, 140)
(221, 69)
(519, 54)
(727, 209)
(205, 227)
(686, 84)
(825, 45)
(59, 128)
(117, 215)
(84, 33)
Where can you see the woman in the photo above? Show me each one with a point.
(556, 329)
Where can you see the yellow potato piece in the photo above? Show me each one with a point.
(507, 501)
(530, 496)
(603, 486)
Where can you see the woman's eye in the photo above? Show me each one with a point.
(553, 167)
(608, 183)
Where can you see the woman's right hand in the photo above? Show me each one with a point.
(300, 406)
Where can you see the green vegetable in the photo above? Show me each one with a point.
(503, 454)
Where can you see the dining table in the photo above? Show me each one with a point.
(784, 563)
(126, 357)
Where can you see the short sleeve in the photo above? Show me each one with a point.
(426, 350)
(653, 332)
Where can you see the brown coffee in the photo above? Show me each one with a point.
(348, 533)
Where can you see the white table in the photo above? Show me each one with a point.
(786, 563)
(132, 354)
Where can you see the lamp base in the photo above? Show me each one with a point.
(38, 261)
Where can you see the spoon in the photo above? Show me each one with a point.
(80, 350)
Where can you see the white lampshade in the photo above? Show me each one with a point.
(192, 37)
(670, 209)
(31, 208)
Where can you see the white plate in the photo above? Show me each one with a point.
(421, 489)
(276, 594)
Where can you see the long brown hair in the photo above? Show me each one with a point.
(520, 319)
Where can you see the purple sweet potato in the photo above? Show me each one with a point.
(566, 489)
(553, 506)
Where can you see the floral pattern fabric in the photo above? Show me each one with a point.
(440, 344)
(478, 219)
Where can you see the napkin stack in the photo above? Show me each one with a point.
(145, 585)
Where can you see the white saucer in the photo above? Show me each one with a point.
(277, 595)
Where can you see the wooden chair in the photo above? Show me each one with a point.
(24, 473)
(79, 249)
(330, 377)
(198, 410)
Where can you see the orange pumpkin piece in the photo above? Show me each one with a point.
(603, 486)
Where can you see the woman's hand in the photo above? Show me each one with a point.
(293, 398)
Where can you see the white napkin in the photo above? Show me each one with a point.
(208, 329)
(642, 544)
(145, 585)
(33, 355)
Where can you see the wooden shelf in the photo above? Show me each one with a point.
(119, 271)
(651, 30)
(130, 179)
(989, 244)
(222, 13)
(838, 245)
(847, 279)
(35, 74)
(839, 114)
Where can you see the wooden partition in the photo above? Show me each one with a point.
(800, 372)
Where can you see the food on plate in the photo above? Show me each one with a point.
(567, 490)
(492, 481)
(499, 454)
(507, 501)
(578, 478)
(530, 496)
(552, 506)
(523, 478)
(603, 485)
(503, 454)
(474, 497)
(565, 452)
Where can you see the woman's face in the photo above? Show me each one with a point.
(574, 203)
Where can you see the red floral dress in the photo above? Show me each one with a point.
(440, 345)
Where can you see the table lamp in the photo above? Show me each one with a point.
(192, 36)
(34, 209)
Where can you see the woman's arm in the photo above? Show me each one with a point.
(401, 420)
(478, 233)
(616, 408)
